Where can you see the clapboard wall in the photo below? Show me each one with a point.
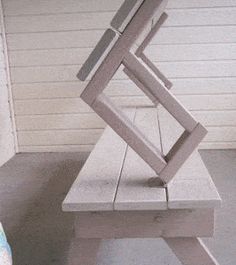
(7, 144)
(48, 40)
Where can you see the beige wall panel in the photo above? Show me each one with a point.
(49, 40)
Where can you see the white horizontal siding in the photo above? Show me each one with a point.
(49, 40)
(7, 146)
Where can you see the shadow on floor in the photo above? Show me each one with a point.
(32, 188)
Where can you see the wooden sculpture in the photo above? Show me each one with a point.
(115, 194)
(118, 47)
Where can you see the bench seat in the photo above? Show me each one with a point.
(115, 178)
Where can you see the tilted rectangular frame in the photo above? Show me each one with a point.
(124, 44)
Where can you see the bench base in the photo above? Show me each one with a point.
(145, 224)
(189, 251)
(179, 228)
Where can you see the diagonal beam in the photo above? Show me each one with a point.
(129, 132)
(154, 87)
(112, 62)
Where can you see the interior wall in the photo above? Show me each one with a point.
(7, 144)
(49, 40)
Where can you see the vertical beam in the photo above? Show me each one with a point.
(155, 70)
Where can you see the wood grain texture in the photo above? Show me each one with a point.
(95, 188)
(47, 46)
(102, 49)
(145, 224)
(133, 191)
(192, 181)
(125, 14)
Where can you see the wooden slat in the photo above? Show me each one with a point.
(197, 86)
(196, 34)
(91, 120)
(192, 186)
(134, 192)
(60, 137)
(170, 35)
(170, 53)
(76, 105)
(125, 14)
(95, 188)
(145, 224)
(171, 69)
(97, 56)
(100, 20)
(124, 127)
(191, 52)
(27, 7)
(59, 122)
(89, 148)
(55, 148)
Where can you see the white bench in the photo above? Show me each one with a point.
(112, 197)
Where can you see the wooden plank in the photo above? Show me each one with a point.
(97, 56)
(192, 186)
(145, 224)
(59, 22)
(196, 34)
(170, 53)
(95, 188)
(112, 62)
(129, 132)
(211, 87)
(60, 137)
(59, 122)
(92, 121)
(181, 151)
(191, 52)
(55, 148)
(88, 39)
(67, 73)
(100, 20)
(76, 105)
(154, 86)
(182, 247)
(34, 7)
(218, 145)
(133, 191)
(125, 14)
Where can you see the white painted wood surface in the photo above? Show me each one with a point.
(95, 187)
(145, 224)
(49, 40)
(192, 187)
(7, 144)
(133, 192)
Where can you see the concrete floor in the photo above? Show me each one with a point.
(33, 186)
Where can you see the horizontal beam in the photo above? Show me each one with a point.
(145, 224)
